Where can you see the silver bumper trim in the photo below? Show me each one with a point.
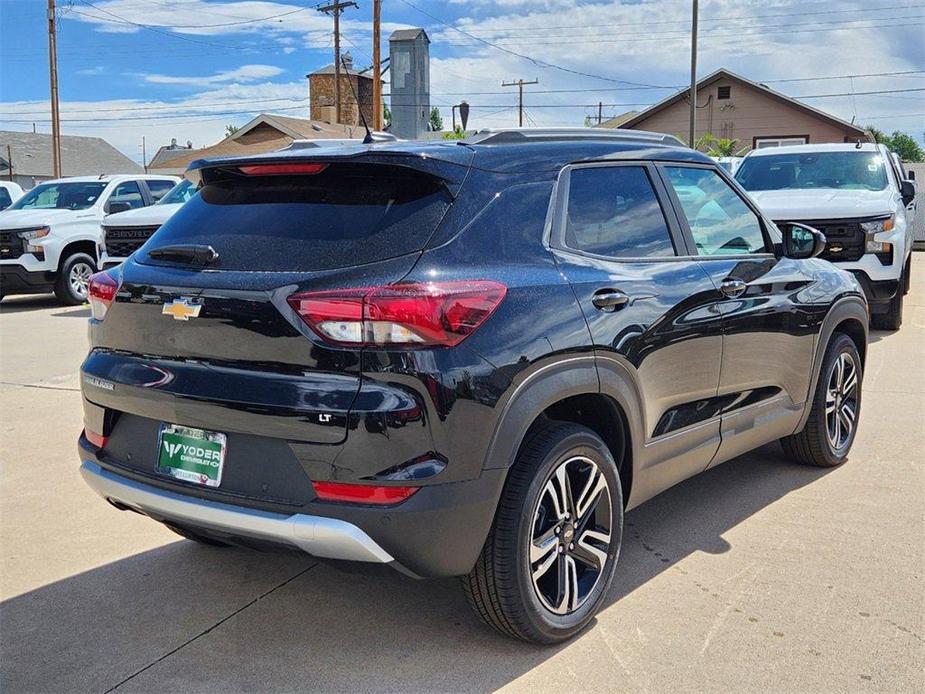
(322, 537)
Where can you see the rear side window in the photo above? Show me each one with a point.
(614, 212)
(348, 214)
(129, 192)
(158, 189)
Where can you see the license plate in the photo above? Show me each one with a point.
(191, 455)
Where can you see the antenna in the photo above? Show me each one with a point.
(368, 140)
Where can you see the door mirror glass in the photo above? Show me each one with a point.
(801, 241)
(911, 175)
(907, 191)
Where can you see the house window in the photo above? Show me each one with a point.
(763, 142)
(723, 92)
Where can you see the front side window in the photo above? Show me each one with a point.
(61, 196)
(5, 198)
(128, 192)
(179, 194)
(720, 221)
(840, 170)
(614, 212)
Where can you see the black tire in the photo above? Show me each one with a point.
(907, 276)
(893, 318)
(196, 537)
(65, 287)
(500, 588)
(814, 444)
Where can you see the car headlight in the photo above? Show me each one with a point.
(875, 226)
(28, 238)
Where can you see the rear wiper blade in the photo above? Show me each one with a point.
(189, 253)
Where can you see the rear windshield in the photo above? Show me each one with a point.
(842, 170)
(348, 214)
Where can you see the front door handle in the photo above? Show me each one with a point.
(733, 288)
(609, 299)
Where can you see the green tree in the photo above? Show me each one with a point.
(436, 120)
(906, 147)
(717, 146)
(880, 137)
(231, 130)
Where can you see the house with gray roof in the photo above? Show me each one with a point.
(30, 157)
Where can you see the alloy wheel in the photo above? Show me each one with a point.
(571, 535)
(79, 278)
(841, 401)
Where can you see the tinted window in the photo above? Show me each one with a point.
(720, 221)
(158, 189)
(129, 192)
(349, 214)
(613, 211)
(61, 196)
(5, 199)
(843, 170)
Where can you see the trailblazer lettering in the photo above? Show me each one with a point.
(194, 454)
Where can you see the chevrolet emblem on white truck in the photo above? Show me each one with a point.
(181, 309)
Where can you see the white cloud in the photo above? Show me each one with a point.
(245, 73)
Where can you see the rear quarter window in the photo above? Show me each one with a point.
(348, 214)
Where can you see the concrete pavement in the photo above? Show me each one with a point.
(760, 575)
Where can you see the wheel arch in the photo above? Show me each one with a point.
(87, 246)
(847, 316)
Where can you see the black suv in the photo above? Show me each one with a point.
(462, 359)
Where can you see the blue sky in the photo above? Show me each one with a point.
(186, 68)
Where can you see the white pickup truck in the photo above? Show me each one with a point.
(49, 238)
(857, 196)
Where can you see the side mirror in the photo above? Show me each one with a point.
(117, 206)
(801, 241)
(907, 191)
(911, 175)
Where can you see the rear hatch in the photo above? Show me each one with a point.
(214, 344)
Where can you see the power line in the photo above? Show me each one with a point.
(535, 61)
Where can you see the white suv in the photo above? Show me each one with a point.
(856, 195)
(49, 237)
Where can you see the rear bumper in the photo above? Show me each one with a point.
(437, 532)
(320, 537)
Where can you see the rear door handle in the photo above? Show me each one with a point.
(733, 288)
(609, 299)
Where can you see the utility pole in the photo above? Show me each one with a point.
(53, 74)
(693, 96)
(520, 89)
(144, 154)
(334, 9)
(9, 161)
(600, 112)
(377, 66)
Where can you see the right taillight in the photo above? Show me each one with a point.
(419, 314)
(101, 293)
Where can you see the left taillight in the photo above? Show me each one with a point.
(427, 314)
(101, 293)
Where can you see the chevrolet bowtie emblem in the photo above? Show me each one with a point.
(181, 309)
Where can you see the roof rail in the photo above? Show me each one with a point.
(496, 136)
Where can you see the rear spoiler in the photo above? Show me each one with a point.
(448, 163)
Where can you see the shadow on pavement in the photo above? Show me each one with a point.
(329, 630)
(28, 302)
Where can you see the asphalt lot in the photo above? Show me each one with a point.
(759, 575)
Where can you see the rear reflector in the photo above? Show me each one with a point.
(282, 169)
(409, 315)
(97, 440)
(101, 292)
(362, 493)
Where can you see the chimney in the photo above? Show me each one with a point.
(189, 144)
(348, 60)
(173, 143)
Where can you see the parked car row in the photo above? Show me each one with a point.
(50, 237)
